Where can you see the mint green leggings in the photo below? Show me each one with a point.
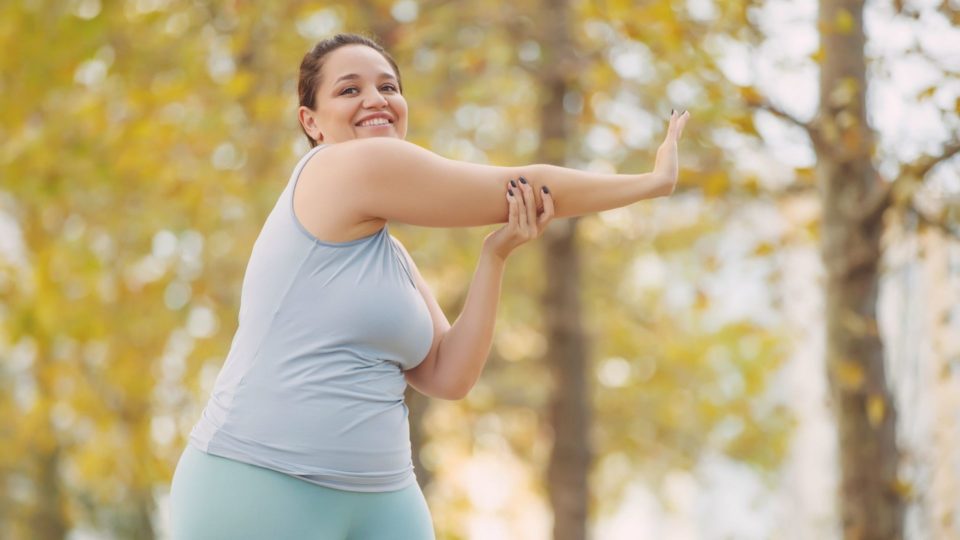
(213, 498)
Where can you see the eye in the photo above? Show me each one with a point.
(389, 87)
(349, 90)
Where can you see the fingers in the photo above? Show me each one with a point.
(519, 221)
(681, 122)
(522, 209)
(678, 119)
(513, 207)
(547, 214)
(530, 207)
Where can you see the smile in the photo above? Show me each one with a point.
(375, 122)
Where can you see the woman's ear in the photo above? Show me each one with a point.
(308, 120)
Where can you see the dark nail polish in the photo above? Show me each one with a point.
(672, 112)
(523, 180)
(510, 191)
(545, 190)
(512, 183)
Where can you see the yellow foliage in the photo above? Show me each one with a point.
(763, 249)
(849, 374)
(904, 489)
(844, 21)
(876, 410)
(927, 93)
(817, 56)
(716, 183)
(750, 95)
(240, 84)
(858, 324)
(845, 92)
(744, 123)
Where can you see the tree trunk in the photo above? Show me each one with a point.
(944, 395)
(48, 520)
(854, 201)
(570, 403)
(567, 347)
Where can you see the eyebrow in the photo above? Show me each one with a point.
(353, 76)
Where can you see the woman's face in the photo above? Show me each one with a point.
(359, 96)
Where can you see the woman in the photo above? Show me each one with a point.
(305, 435)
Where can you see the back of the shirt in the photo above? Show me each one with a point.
(313, 384)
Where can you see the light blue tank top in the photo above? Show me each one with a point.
(313, 384)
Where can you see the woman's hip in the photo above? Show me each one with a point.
(214, 497)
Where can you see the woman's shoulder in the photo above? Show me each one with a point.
(358, 162)
(318, 200)
(354, 148)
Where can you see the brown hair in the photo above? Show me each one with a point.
(313, 62)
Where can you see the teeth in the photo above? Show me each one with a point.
(375, 122)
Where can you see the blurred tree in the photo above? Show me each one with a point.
(854, 200)
(567, 349)
(857, 204)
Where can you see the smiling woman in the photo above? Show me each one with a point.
(307, 414)
(352, 94)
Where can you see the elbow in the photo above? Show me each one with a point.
(453, 389)
(456, 391)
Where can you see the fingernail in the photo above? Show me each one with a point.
(672, 112)
(523, 180)
(510, 191)
(682, 112)
(545, 190)
(512, 183)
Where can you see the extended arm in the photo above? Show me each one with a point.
(390, 179)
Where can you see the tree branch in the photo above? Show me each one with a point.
(924, 164)
(765, 105)
(942, 225)
(878, 201)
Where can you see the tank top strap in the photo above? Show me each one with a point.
(301, 164)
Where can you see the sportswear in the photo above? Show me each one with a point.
(313, 383)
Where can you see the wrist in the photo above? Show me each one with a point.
(492, 254)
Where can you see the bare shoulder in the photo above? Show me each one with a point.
(360, 184)
(355, 158)
(322, 198)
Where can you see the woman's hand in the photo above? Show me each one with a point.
(523, 223)
(666, 165)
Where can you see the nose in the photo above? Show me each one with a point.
(374, 100)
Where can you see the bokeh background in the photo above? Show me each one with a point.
(681, 368)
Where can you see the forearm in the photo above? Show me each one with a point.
(464, 348)
(577, 193)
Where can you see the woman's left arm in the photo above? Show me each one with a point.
(459, 352)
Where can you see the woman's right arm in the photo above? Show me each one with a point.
(390, 179)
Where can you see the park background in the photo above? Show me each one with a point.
(707, 365)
